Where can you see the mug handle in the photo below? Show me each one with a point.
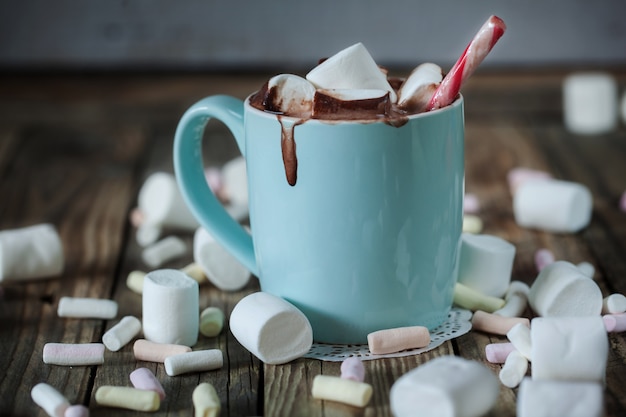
(189, 171)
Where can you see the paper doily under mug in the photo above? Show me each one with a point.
(457, 324)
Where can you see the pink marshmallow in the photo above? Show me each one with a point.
(622, 202)
(615, 323)
(352, 368)
(76, 411)
(498, 352)
(517, 176)
(543, 258)
(143, 378)
(470, 203)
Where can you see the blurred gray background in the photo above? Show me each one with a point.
(281, 34)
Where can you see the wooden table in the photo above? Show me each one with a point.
(74, 151)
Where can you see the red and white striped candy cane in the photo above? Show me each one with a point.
(467, 63)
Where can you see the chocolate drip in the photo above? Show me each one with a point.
(288, 147)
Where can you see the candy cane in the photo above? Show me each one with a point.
(473, 55)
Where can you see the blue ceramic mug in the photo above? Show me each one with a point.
(356, 223)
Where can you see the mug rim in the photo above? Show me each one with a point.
(425, 114)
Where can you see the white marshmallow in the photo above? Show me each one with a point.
(147, 233)
(590, 103)
(170, 307)
(51, 400)
(518, 176)
(513, 370)
(569, 348)
(163, 251)
(351, 68)
(196, 361)
(30, 253)
(162, 203)
(614, 304)
(561, 289)
(294, 94)
(123, 332)
(420, 85)
(218, 264)
(587, 269)
(486, 263)
(553, 206)
(447, 386)
(519, 336)
(270, 328)
(559, 398)
(516, 300)
(234, 177)
(84, 308)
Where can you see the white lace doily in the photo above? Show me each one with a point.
(457, 324)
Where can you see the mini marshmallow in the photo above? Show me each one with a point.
(352, 368)
(518, 176)
(148, 233)
(471, 204)
(197, 361)
(445, 386)
(622, 199)
(614, 304)
(465, 297)
(30, 253)
(162, 203)
(127, 398)
(513, 370)
(419, 87)
(543, 258)
(163, 251)
(587, 269)
(345, 391)
(472, 224)
(498, 352)
(553, 206)
(134, 281)
(194, 271)
(206, 402)
(145, 350)
(569, 348)
(83, 308)
(561, 289)
(590, 103)
(77, 410)
(351, 68)
(398, 339)
(560, 398)
(615, 323)
(170, 307)
(293, 94)
(519, 336)
(270, 328)
(494, 324)
(73, 354)
(486, 263)
(51, 400)
(136, 217)
(219, 265)
(516, 300)
(211, 321)
(235, 179)
(123, 332)
(143, 378)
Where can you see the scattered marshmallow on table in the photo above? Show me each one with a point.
(471, 204)
(143, 378)
(73, 354)
(165, 250)
(495, 324)
(123, 332)
(196, 361)
(515, 300)
(234, 174)
(170, 307)
(445, 386)
(76, 410)
(51, 400)
(271, 328)
(347, 391)
(485, 263)
(590, 103)
(553, 206)
(517, 176)
(561, 289)
(211, 321)
(614, 304)
(498, 352)
(206, 402)
(193, 270)
(466, 297)
(353, 368)
(622, 199)
(145, 350)
(519, 336)
(148, 233)
(398, 339)
(472, 224)
(219, 265)
(560, 398)
(615, 323)
(31, 252)
(513, 370)
(569, 348)
(127, 398)
(587, 269)
(93, 308)
(543, 258)
(134, 281)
